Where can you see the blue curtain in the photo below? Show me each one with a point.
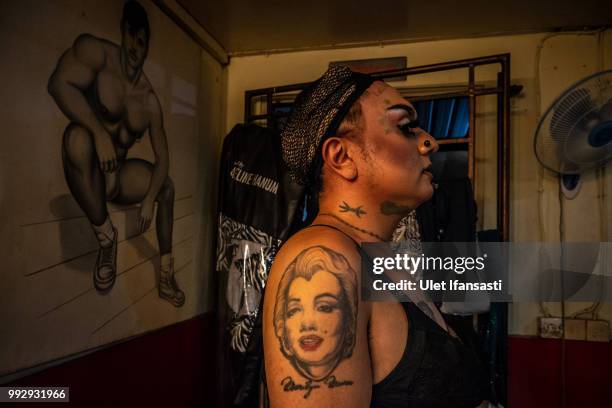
(444, 118)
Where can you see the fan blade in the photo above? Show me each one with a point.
(568, 111)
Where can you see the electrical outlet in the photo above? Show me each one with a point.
(550, 327)
(575, 329)
(598, 330)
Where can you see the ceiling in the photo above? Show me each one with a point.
(258, 26)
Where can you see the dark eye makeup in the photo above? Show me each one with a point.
(408, 127)
(406, 118)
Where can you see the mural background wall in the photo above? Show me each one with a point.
(49, 308)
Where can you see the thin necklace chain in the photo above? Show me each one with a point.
(354, 227)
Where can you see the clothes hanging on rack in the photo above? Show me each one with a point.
(257, 201)
(257, 204)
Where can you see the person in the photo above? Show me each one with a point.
(102, 89)
(356, 145)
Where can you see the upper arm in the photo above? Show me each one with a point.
(315, 326)
(156, 128)
(79, 65)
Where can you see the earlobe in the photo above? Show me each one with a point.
(350, 172)
(338, 157)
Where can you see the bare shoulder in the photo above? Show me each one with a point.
(322, 237)
(315, 325)
(91, 50)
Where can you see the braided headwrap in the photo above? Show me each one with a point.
(316, 115)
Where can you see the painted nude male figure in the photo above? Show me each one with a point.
(101, 88)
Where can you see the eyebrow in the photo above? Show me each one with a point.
(412, 115)
(326, 295)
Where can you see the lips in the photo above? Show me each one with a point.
(310, 343)
(428, 170)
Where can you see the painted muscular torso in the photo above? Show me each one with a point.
(120, 106)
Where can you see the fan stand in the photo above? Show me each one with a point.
(570, 185)
(583, 324)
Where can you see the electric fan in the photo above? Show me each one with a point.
(573, 137)
(575, 133)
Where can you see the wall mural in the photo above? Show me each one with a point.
(105, 177)
(101, 88)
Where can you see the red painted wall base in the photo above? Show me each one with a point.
(172, 367)
(534, 373)
(175, 367)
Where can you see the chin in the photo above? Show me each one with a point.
(427, 193)
(430, 192)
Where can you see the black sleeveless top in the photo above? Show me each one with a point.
(435, 370)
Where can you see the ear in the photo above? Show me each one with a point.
(338, 155)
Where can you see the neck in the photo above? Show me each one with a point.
(364, 219)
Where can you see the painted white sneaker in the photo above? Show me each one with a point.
(106, 266)
(168, 288)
